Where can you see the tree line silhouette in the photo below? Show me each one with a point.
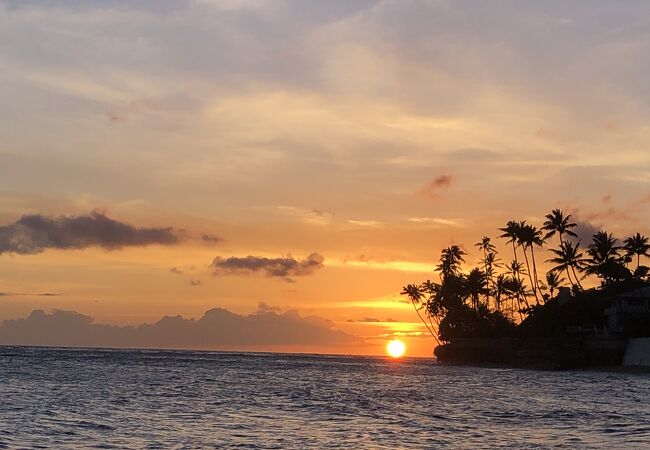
(488, 299)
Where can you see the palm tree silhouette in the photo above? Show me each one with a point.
(557, 222)
(638, 245)
(475, 285)
(553, 281)
(605, 258)
(515, 269)
(450, 260)
(489, 260)
(568, 257)
(511, 232)
(529, 237)
(415, 295)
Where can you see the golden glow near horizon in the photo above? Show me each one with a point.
(395, 348)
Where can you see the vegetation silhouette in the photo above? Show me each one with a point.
(496, 300)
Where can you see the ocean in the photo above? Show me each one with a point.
(81, 398)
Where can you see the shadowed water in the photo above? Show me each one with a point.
(173, 399)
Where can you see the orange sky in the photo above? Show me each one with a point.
(373, 133)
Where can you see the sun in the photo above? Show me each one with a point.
(395, 348)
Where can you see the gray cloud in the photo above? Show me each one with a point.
(40, 294)
(433, 188)
(270, 267)
(585, 230)
(371, 320)
(36, 233)
(218, 328)
(211, 238)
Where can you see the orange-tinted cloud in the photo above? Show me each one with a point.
(433, 188)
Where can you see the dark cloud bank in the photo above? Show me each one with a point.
(270, 267)
(36, 233)
(218, 328)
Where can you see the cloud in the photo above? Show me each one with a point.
(304, 215)
(366, 223)
(372, 320)
(41, 294)
(217, 328)
(211, 238)
(433, 188)
(436, 221)
(269, 267)
(585, 230)
(365, 320)
(36, 233)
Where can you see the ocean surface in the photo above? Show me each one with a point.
(69, 398)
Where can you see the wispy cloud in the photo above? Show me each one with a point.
(305, 215)
(366, 223)
(437, 221)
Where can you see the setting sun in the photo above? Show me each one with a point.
(395, 348)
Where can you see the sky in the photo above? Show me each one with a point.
(290, 165)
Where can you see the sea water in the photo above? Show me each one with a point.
(72, 398)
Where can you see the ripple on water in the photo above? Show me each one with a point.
(168, 399)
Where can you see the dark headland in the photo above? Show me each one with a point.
(508, 314)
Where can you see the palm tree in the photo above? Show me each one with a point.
(415, 294)
(515, 269)
(553, 281)
(605, 259)
(489, 259)
(500, 290)
(475, 286)
(568, 257)
(450, 260)
(529, 237)
(511, 232)
(557, 222)
(638, 245)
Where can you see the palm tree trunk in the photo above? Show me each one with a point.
(573, 269)
(530, 277)
(514, 251)
(566, 267)
(532, 254)
(424, 322)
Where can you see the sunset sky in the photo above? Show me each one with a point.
(340, 144)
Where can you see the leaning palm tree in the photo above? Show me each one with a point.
(568, 257)
(557, 222)
(638, 245)
(415, 295)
